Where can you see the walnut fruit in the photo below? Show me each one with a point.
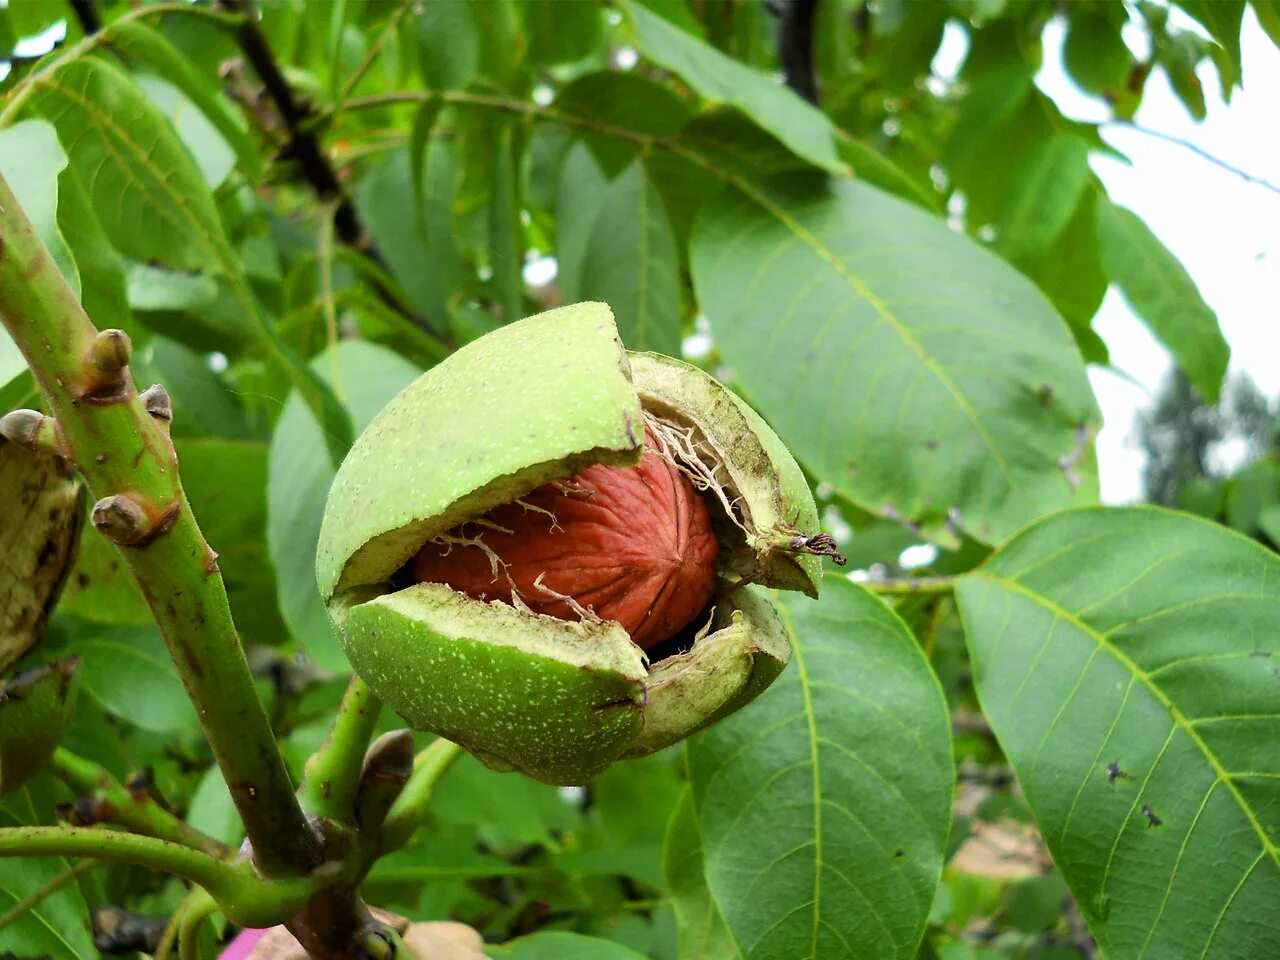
(512, 529)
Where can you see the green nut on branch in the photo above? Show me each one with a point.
(540, 548)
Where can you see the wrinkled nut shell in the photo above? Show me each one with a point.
(628, 544)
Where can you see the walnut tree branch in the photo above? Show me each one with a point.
(87, 14)
(795, 45)
(303, 145)
(122, 450)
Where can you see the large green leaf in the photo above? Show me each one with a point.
(918, 374)
(226, 483)
(1042, 196)
(631, 264)
(100, 587)
(1095, 54)
(141, 43)
(560, 32)
(1126, 661)
(1162, 293)
(1268, 14)
(1071, 275)
(414, 228)
(582, 188)
(557, 945)
(700, 927)
(448, 44)
(102, 279)
(12, 362)
(298, 477)
(146, 189)
(721, 79)
(154, 204)
(56, 926)
(208, 148)
(609, 101)
(825, 807)
(1222, 18)
(127, 670)
(30, 161)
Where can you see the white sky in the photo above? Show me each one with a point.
(1225, 230)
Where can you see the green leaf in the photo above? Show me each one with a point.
(448, 44)
(582, 189)
(1163, 295)
(1070, 274)
(700, 927)
(511, 812)
(631, 263)
(128, 671)
(908, 35)
(1126, 661)
(821, 838)
(102, 280)
(298, 478)
(100, 587)
(1180, 54)
(424, 122)
(1046, 189)
(1222, 18)
(918, 374)
(412, 237)
(145, 45)
(30, 161)
(506, 231)
(559, 32)
(57, 926)
(147, 191)
(155, 289)
(212, 810)
(208, 148)
(226, 483)
(204, 403)
(557, 945)
(12, 363)
(878, 170)
(1094, 53)
(1268, 14)
(620, 101)
(720, 79)
(153, 202)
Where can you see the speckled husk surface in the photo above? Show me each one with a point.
(535, 401)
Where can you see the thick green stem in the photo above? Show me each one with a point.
(240, 893)
(334, 771)
(128, 463)
(429, 767)
(112, 802)
(195, 910)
